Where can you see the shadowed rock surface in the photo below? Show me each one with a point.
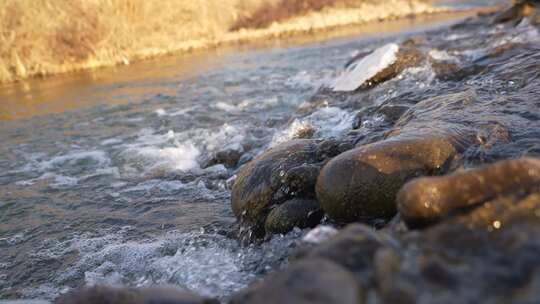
(314, 280)
(148, 295)
(294, 213)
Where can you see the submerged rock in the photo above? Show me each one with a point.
(282, 173)
(147, 295)
(392, 112)
(446, 69)
(363, 182)
(426, 200)
(308, 281)
(382, 64)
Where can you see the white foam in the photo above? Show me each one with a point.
(308, 80)
(181, 112)
(161, 112)
(60, 181)
(169, 152)
(111, 141)
(209, 264)
(362, 70)
(226, 107)
(182, 157)
(57, 181)
(97, 157)
(162, 185)
(294, 130)
(325, 122)
(442, 55)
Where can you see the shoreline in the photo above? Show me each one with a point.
(325, 21)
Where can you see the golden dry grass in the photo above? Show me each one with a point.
(41, 37)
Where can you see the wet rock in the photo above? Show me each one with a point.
(426, 200)
(461, 260)
(363, 182)
(302, 213)
(457, 261)
(407, 57)
(414, 41)
(361, 116)
(228, 157)
(393, 112)
(381, 65)
(353, 248)
(446, 70)
(307, 281)
(442, 116)
(282, 173)
(319, 234)
(535, 19)
(520, 9)
(147, 295)
(390, 112)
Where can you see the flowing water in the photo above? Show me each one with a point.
(104, 177)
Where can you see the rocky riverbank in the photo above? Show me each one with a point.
(430, 196)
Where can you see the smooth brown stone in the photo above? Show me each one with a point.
(301, 213)
(428, 199)
(363, 182)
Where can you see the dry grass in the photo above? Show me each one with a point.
(275, 11)
(41, 37)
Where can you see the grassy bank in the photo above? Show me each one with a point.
(42, 37)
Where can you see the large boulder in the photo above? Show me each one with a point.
(426, 200)
(313, 281)
(147, 295)
(363, 182)
(281, 174)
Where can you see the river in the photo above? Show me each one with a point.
(107, 176)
